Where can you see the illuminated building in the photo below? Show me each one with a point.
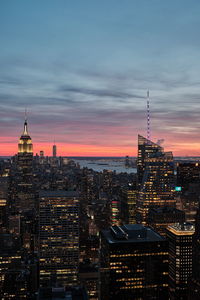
(155, 178)
(187, 173)
(146, 149)
(128, 205)
(115, 211)
(133, 263)
(9, 258)
(58, 238)
(24, 179)
(194, 283)
(162, 217)
(180, 259)
(25, 142)
(4, 184)
(18, 275)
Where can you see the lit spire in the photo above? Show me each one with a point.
(148, 116)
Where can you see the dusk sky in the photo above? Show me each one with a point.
(82, 69)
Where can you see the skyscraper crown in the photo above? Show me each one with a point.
(25, 141)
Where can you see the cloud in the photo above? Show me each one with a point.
(99, 92)
(97, 109)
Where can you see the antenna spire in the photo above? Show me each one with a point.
(25, 114)
(25, 124)
(148, 116)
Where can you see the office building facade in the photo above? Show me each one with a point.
(134, 263)
(180, 238)
(58, 238)
(155, 178)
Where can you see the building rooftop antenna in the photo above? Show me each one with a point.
(25, 114)
(148, 116)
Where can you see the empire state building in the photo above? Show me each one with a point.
(25, 171)
(25, 142)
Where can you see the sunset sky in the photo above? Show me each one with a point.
(82, 70)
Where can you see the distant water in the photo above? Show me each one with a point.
(99, 165)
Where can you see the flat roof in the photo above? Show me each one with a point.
(131, 233)
(182, 229)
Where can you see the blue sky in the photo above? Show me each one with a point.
(82, 69)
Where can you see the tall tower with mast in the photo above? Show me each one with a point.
(25, 142)
(25, 198)
(155, 174)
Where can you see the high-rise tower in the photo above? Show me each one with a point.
(54, 150)
(155, 178)
(194, 283)
(58, 237)
(180, 259)
(25, 142)
(24, 178)
(133, 263)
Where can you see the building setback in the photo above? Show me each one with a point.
(134, 263)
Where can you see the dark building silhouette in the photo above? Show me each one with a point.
(134, 263)
(54, 150)
(187, 173)
(162, 217)
(89, 277)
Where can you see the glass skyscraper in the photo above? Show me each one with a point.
(155, 178)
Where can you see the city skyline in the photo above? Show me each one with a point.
(82, 71)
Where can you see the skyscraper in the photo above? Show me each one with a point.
(128, 204)
(187, 173)
(54, 150)
(194, 283)
(162, 217)
(25, 142)
(180, 259)
(24, 177)
(134, 263)
(155, 178)
(58, 238)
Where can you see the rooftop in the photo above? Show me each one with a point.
(135, 233)
(182, 229)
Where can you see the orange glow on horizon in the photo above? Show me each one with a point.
(178, 149)
(70, 150)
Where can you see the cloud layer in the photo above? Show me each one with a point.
(83, 72)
